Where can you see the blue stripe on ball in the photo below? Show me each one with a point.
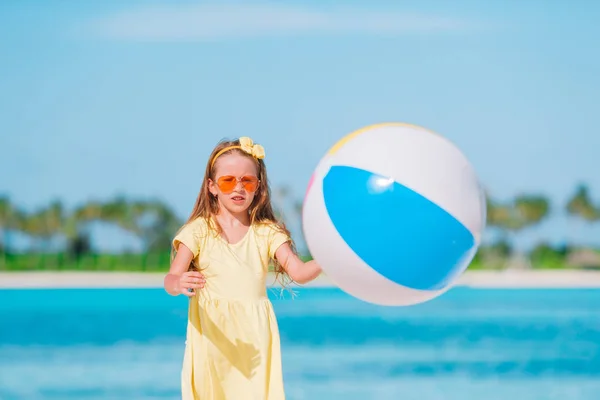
(397, 232)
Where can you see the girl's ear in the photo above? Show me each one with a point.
(212, 187)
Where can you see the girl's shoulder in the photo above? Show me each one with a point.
(199, 223)
(267, 226)
(193, 235)
(271, 236)
(198, 227)
(270, 230)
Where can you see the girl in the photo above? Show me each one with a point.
(222, 258)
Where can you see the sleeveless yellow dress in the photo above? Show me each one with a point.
(232, 349)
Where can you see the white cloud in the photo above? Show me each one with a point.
(204, 22)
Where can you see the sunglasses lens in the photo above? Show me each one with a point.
(227, 183)
(250, 183)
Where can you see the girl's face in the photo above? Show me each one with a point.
(235, 183)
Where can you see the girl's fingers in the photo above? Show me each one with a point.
(193, 284)
(190, 281)
(195, 280)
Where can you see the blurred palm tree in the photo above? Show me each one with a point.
(78, 225)
(497, 214)
(11, 220)
(119, 211)
(154, 223)
(531, 209)
(580, 205)
(51, 223)
(45, 226)
(82, 215)
(513, 217)
(166, 224)
(524, 211)
(6, 213)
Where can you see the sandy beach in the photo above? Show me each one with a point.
(478, 279)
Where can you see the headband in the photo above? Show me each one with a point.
(247, 145)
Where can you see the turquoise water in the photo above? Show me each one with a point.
(467, 344)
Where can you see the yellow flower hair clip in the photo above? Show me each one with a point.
(255, 150)
(246, 145)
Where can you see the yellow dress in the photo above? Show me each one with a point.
(232, 349)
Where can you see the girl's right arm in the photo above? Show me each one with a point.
(179, 280)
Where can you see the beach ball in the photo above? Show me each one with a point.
(394, 214)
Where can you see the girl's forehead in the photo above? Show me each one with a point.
(235, 164)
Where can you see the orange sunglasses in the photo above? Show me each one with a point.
(228, 183)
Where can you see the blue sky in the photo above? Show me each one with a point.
(130, 96)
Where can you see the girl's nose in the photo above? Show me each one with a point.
(239, 186)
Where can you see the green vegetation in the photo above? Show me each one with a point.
(151, 221)
(526, 211)
(62, 239)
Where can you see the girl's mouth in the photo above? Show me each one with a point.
(238, 199)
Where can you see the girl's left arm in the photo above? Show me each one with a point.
(300, 271)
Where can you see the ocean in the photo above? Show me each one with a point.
(467, 344)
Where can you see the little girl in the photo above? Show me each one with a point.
(222, 259)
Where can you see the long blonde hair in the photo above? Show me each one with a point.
(260, 211)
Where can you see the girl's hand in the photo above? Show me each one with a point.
(190, 281)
